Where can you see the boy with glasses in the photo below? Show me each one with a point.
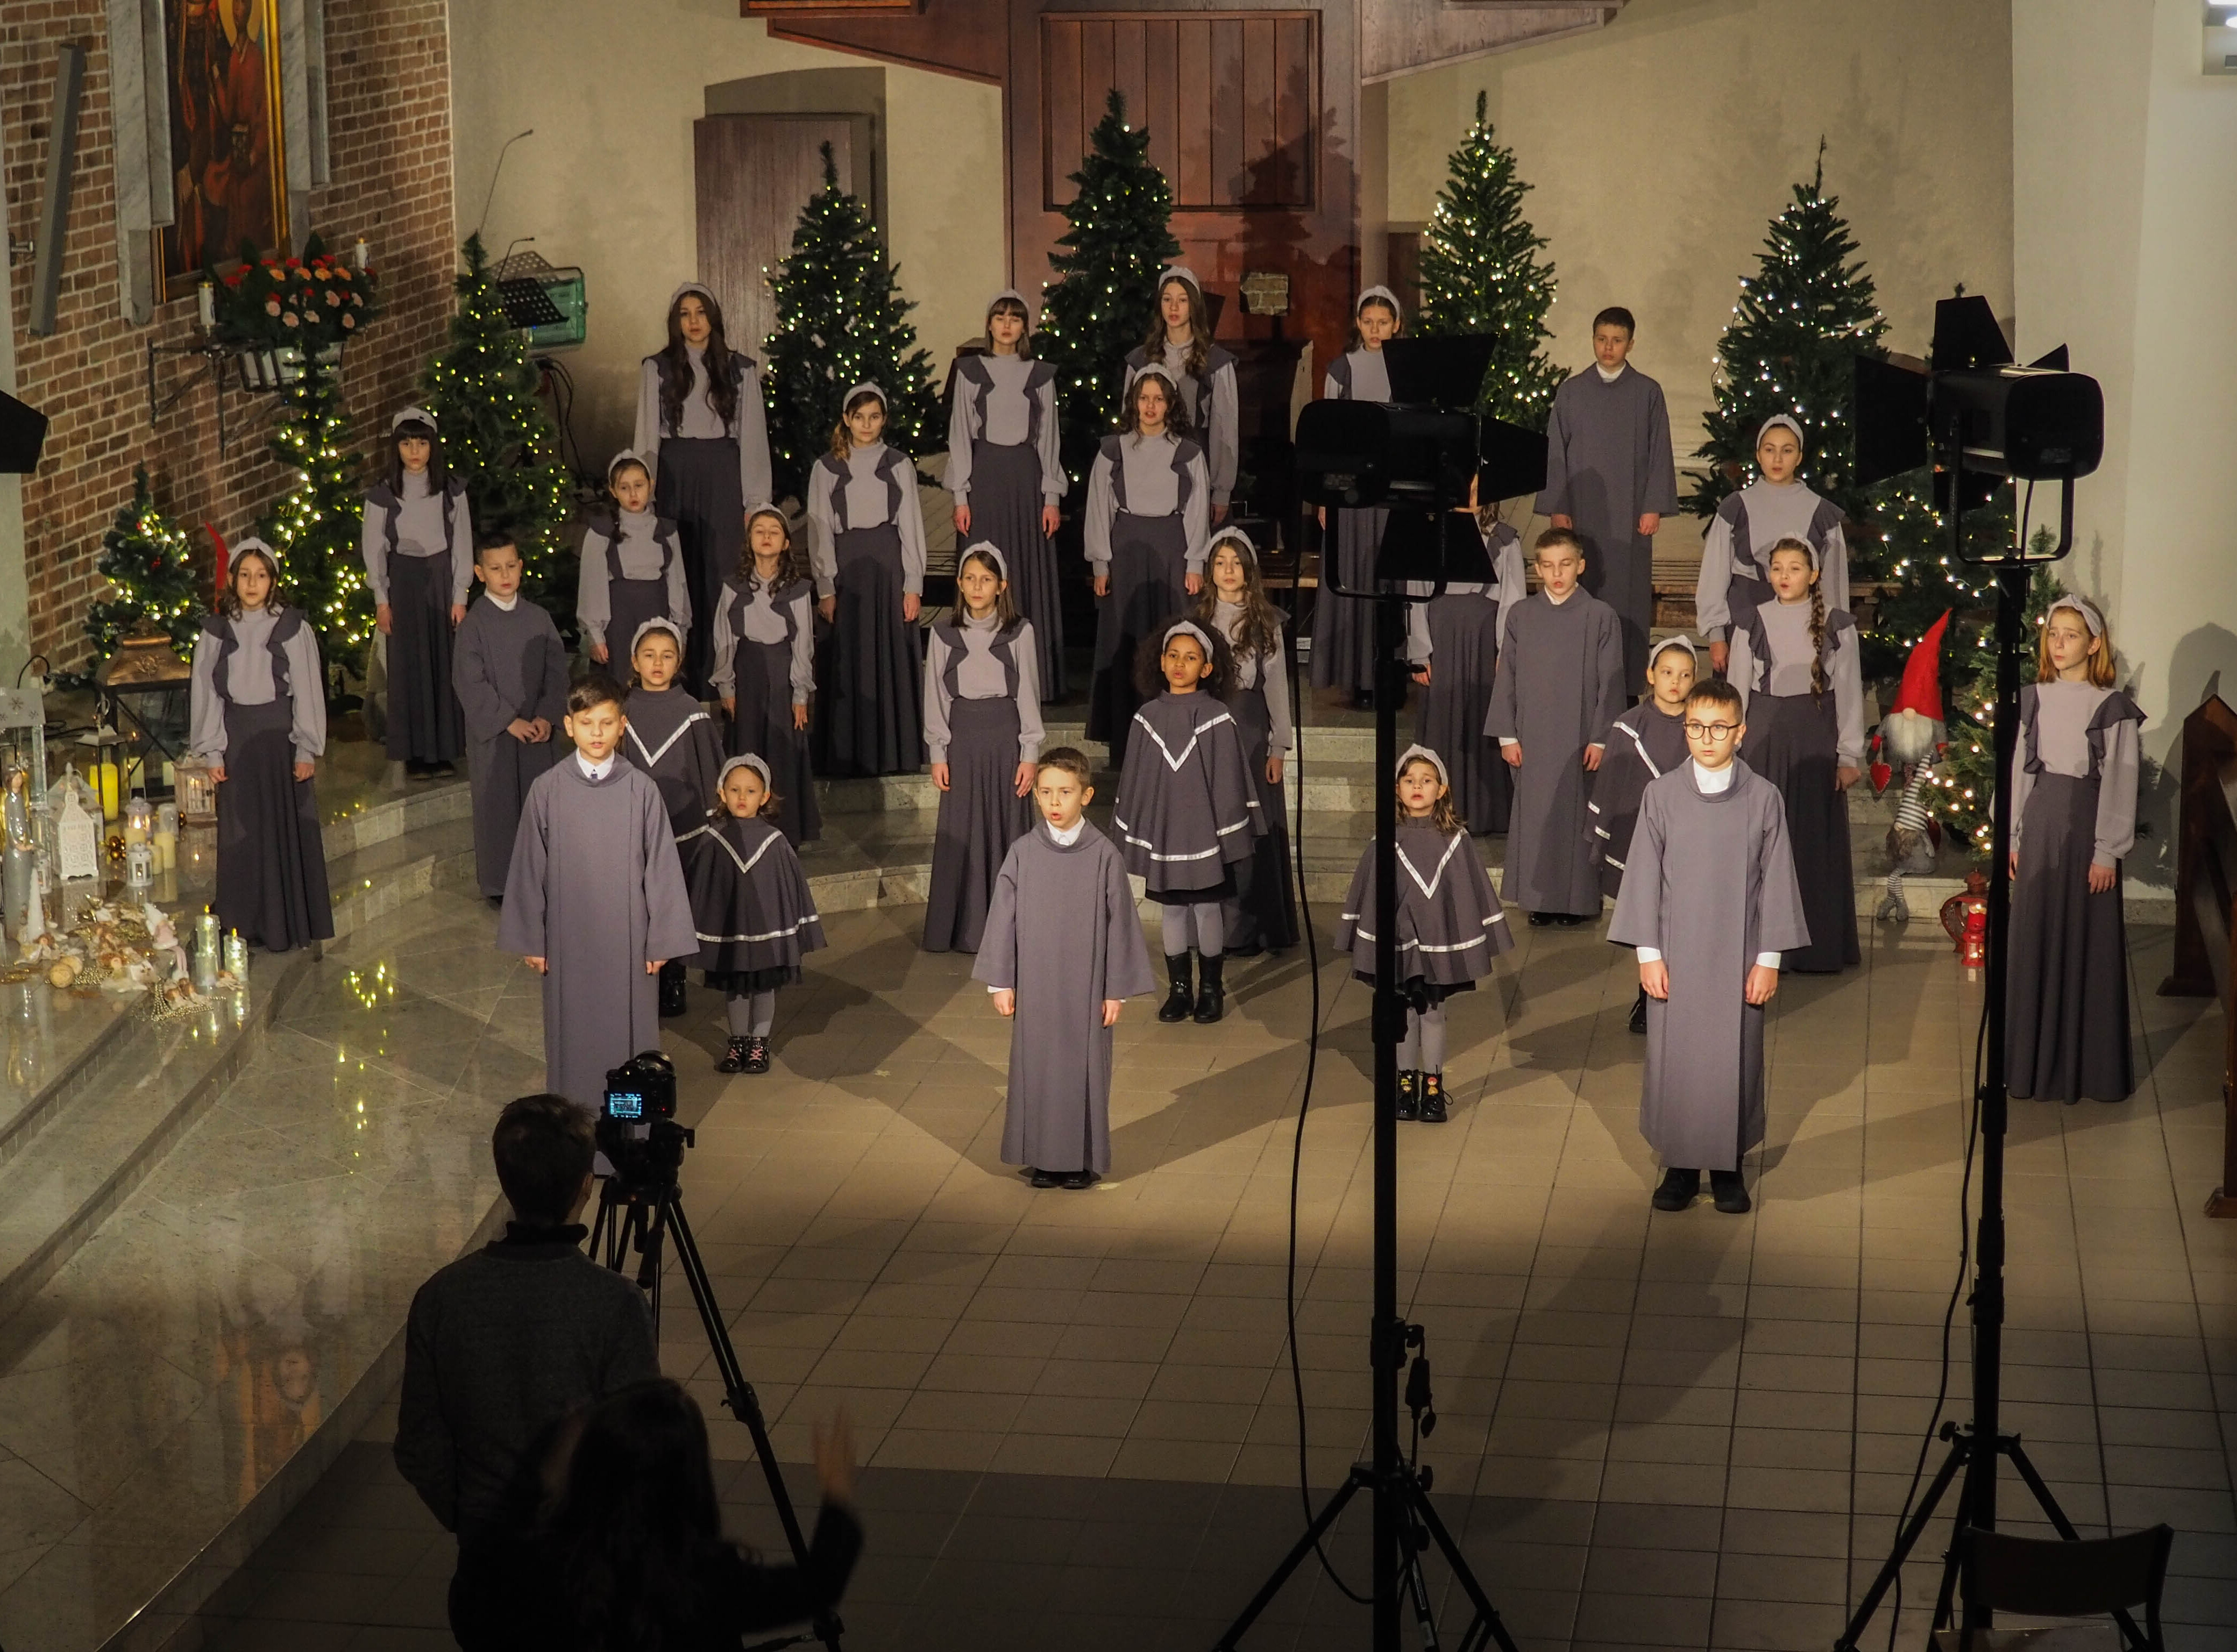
(1710, 900)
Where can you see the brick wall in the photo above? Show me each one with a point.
(388, 77)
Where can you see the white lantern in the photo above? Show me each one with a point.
(77, 837)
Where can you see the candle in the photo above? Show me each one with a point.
(108, 778)
(206, 950)
(171, 779)
(206, 305)
(361, 255)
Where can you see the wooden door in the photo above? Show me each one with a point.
(753, 174)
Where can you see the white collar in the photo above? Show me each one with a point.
(1607, 378)
(1558, 601)
(596, 771)
(1711, 782)
(504, 604)
(1070, 835)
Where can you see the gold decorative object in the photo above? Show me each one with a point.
(144, 657)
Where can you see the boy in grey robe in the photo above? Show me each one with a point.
(1710, 900)
(594, 900)
(1061, 953)
(1610, 475)
(1554, 693)
(509, 668)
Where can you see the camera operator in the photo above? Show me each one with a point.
(504, 1343)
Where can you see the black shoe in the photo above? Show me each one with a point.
(734, 1057)
(1211, 993)
(758, 1057)
(1047, 1178)
(1433, 1098)
(1409, 1096)
(443, 771)
(1179, 1000)
(1730, 1192)
(1078, 1180)
(1639, 1012)
(1541, 920)
(1678, 1190)
(1363, 699)
(1570, 920)
(674, 1001)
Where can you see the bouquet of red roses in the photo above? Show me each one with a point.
(311, 303)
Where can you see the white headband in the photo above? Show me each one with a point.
(988, 548)
(239, 547)
(2082, 606)
(1667, 643)
(1383, 294)
(1180, 273)
(627, 455)
(746, 761)
(412, 416)
(1237, 538)
(865, 388)
(1777, 420)
(1015, 297)
(1792, 539)
(1156, 370)
(1423, 753)
(766, 509)
(701, 288)
(659, 623)
(1194, 630)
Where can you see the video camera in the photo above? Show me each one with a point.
(637, 1130)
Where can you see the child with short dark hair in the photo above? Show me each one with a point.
(509, 668)
(632, 569)
(1558, 688)
(595, 899)
(753, 908)
(1187, 815)
(1711, 901)
(1450, 925)
(1061, 953)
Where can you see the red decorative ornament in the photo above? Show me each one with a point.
(1965, 918)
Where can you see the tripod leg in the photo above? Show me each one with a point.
(2010, 1445)
(1304, 1546)
(1487, 1615)
(1945, 1598)
(1960, 1449)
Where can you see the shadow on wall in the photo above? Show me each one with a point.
(2204, 661)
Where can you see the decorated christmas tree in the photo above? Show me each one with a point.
(497, 436)
(317, 525)
(146, 557)
(1801, 321)
(1106, 293)
(1480, 273)
(840, 321)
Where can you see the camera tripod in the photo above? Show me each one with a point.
(639, 1208)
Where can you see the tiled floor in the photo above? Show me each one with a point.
(1686, 1430)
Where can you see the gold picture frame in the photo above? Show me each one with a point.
(227, 170)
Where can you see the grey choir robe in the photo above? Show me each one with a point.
(1737, 546)
(1709, 883)
(1644, 744)
(596, 890)
(1269, 674)
(506, 663)
(1007, 401)
(2085, 733)
(1786, 634)
(422, 524)
(1161, 476)
(673, 740)
(642, 551)
(1607, 463)
(762, 618)
(873, 474)
(249, 682)
(1359, 375)
(1557, 689)
(1214, 410)
(1063, 934)
(980, 675)
(749, 426)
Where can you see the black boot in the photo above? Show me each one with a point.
(1678, 1190)
(1179, 1000)
(1409, 1096)
(672, 985)
(1729, 1191)
(734, 1057)
(1433, 1098)
(1211, 995)
(757, 1059)
(1639, 1012)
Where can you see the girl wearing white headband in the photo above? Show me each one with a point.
(1646, 743)
(1187, 815)
(865, 543)
(1344, 630)
(1148, 511)
(2074, 782)
(1005, 469)
(669, 734)
(750, 905)
(1180, 340)
(1263, 915)
(982, 728)
(703, 433)
(632, 569)
(1736, 550)
(1454, 642)
(764, 666)
(419, 546)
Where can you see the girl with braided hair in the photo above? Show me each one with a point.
(1795, 663)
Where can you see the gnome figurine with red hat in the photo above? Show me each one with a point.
(1910, 737)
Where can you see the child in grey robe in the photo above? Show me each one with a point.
(1343, 627)
(1453, 643)
(1644, 744)
(1263, 915)
(1611, 476)
(1557, 690)
(631, 570)
(510, 671)
(2074, 819)
(673, 740)
(594, 900)
(1061, 952)
(1711, 901)
(1736, 548)
(418, 542)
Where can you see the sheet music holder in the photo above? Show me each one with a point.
(527, 304)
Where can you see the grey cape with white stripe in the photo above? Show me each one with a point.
(750, 902)
(1187, 809)
(1450, 926)
(1643, 746)
(672, 739)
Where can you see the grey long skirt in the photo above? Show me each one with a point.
(1264, 913)
(980, 816)
(869, 671)
(1149, 571)
(1005, 508)
(1448, 716)
(1343, 627)
(1793, 742)
(698, 490)
(271, 861)
(762, 725)
(425, 724)
(2066, 1035)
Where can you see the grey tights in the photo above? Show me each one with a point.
(1205, 918)
(752, 1014)
(1424, 1048)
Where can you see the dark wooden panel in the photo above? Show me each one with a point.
(1254, 186)
(1161, 71)
(1067, 136)
(1227, 112)
(1192, 187)
(964, 37)
(1129, 49)
(1297, 95)
(752, 174)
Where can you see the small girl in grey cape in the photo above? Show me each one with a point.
(1062, 952)
(1451, 926)
(1187, 815)
(1644, 744)
(752, 907)
(672, 739)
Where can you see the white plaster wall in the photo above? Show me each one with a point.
(611, 88)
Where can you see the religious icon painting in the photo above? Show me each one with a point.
(228, 175)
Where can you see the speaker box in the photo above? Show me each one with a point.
(22, 433)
